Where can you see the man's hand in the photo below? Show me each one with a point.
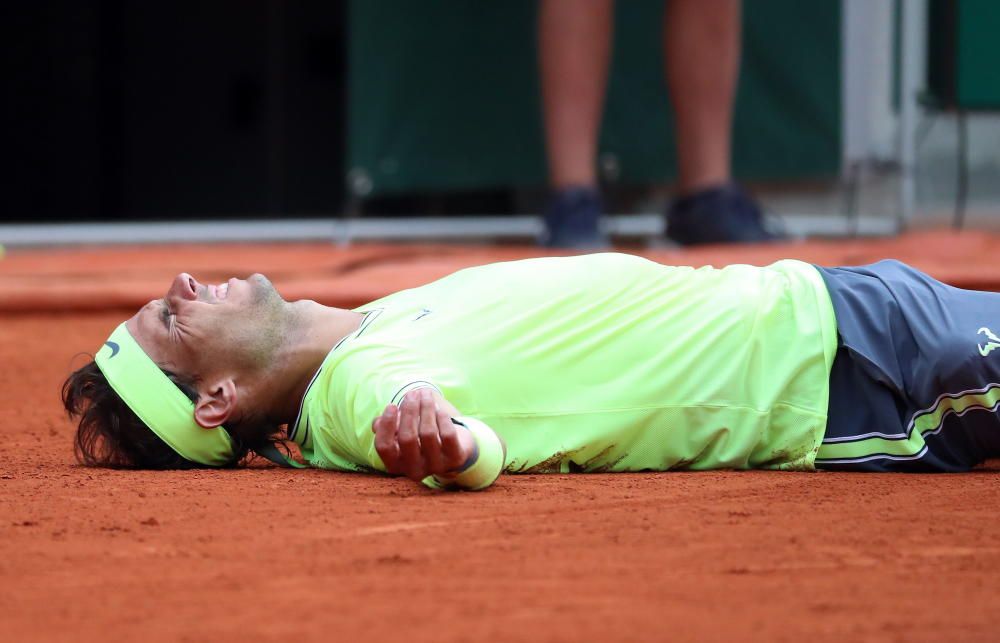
(418, 439)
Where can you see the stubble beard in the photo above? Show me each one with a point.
(272, 320)
(257, 335)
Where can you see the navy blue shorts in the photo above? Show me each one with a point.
(915, 384)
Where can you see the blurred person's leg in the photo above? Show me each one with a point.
(574, 43)
(702, 41)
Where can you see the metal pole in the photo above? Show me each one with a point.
(913, 35)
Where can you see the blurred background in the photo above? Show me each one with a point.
(355, 119)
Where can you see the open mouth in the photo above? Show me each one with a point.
(220, 291)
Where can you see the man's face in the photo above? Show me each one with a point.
(204, 330)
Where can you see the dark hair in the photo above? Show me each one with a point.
(110, 434)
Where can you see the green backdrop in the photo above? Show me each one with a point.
(978, 82)
(443, 94)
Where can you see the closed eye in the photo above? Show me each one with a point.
(165, 314)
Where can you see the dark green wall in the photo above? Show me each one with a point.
(443, 94)
(979, 54)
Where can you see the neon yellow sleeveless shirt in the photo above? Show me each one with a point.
(604, 362)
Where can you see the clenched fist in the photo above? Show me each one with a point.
(418, 438)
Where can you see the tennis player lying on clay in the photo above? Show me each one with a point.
(604, 362)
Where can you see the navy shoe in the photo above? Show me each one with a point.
(723, 214)
(573, 219)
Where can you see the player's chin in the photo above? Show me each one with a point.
(257, 279)
(261, 287)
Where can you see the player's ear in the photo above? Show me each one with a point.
(215, 404)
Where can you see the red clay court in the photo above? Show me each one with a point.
(267, 554)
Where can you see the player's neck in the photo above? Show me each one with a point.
(312, 332)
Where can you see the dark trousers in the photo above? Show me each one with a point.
(915, 384)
